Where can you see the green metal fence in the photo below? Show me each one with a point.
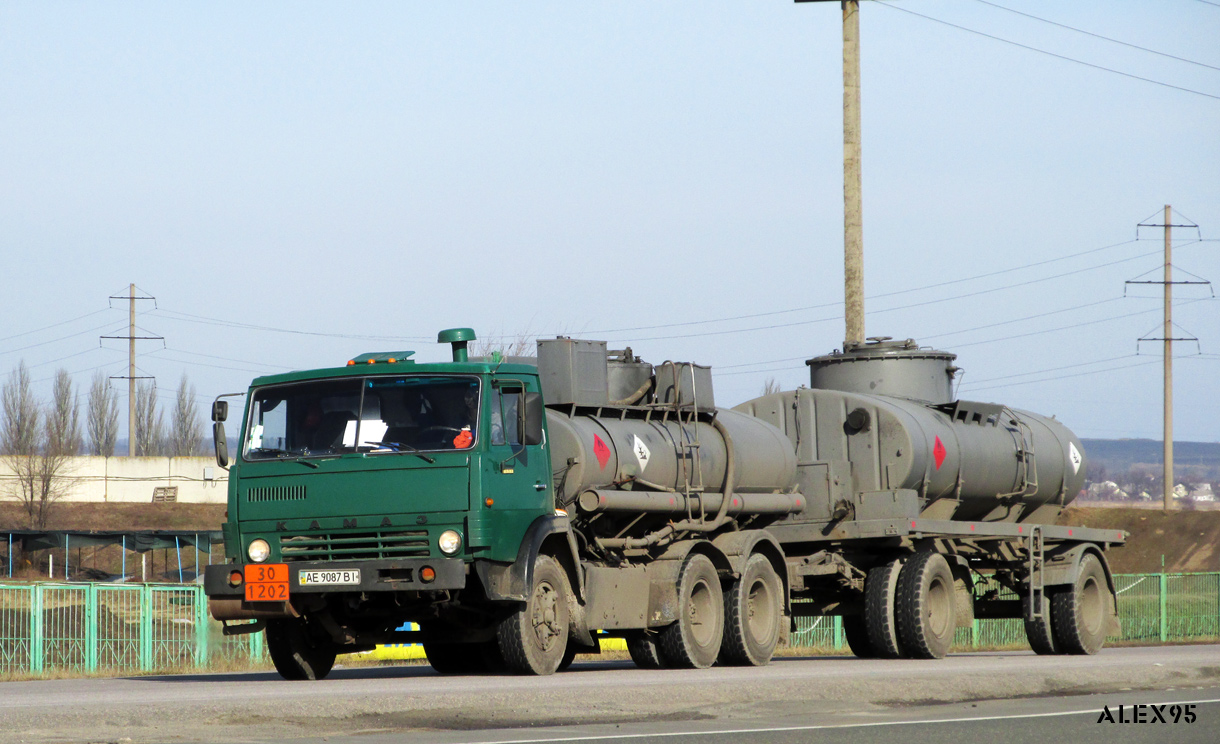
(1152, 608)
(125, 628)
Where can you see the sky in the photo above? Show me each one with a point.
(298, 183)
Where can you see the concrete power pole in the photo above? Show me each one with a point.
(1168, 365)
(1167, 338)
(853, 210)
(131, 376)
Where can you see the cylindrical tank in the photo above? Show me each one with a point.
(590, 452)
(981, 454)
(885, 367)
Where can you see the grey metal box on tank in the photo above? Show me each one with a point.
(573, 372)
(685, 384)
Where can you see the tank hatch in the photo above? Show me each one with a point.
(883, 366)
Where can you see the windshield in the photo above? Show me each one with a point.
(370, 414)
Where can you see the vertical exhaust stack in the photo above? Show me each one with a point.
(459, 337)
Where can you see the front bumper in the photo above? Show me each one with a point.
(399, 575)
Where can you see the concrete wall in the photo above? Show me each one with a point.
(132, 479)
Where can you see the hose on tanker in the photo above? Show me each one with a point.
(689, 525)
(634, 398)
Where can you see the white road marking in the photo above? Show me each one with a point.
(778, 729)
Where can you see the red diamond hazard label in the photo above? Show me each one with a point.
(602, 452)
(938, 452)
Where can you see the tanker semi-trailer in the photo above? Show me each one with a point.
(518, 509)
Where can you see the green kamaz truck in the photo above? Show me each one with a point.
(519, 509)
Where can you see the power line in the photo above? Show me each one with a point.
(1028, 317)
(189, 318)
(1097, 36)
(56, 340)
(894, 293)
(899, 307)
(1049, 54)
(1044, 371)
(1065, 377)
(53, 325)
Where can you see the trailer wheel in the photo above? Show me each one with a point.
(534, 638)
(644, 650)
(455, 658)
(296, 654)
(753, 611)
(926, 611)
(1080, 613)
(880, 594)
(1038, 631)
(693, 642)
(856, 634)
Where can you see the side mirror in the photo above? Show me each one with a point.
(220, 442)
(529, 419)
(220, 410)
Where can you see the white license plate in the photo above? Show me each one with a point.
(337, 577)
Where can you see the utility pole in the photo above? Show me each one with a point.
(1167, 338)
(131, 377)
(1168, 365)
(853, 209)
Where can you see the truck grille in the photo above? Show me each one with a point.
(354, 545)
(276, 493)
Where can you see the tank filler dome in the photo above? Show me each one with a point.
(882, 366)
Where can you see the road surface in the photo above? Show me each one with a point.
(1002, 696)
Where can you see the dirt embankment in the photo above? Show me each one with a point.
(1188, 540)
(117, 517)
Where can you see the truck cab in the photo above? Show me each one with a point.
(381, 492)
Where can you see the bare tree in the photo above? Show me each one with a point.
(520, 344)
(771, 386)
(102, 418)
(150, 421)
(185, 437)
(39, 466)
(63, 420)
(19, 434)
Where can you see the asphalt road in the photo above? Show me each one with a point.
(969, 697)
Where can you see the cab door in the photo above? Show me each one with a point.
(520, 477)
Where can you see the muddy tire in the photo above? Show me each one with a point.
(534, 638)
(856, 634)
(753, 615)
(1081, 613)
(1038, 631)
(880, 598)
(644, 650)
(693, 642)
(926, 609)
(296, 653)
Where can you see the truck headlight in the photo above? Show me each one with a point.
(449, 542)
(259, 550)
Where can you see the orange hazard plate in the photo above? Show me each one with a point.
(267, 583)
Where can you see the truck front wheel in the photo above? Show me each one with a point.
(296, 653)
(534, 637)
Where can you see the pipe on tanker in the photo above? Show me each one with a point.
(689, 525)
(634, 398)
(602, 500)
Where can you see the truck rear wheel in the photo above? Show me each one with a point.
(644, 650)
(693, 642)
(534, 638)
(856, 634)
(880, 593)
(1081, 612)
(926, 608)
(296, 653)
(1038, 631)
(753, 611)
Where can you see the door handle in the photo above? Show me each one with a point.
(539, 487)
